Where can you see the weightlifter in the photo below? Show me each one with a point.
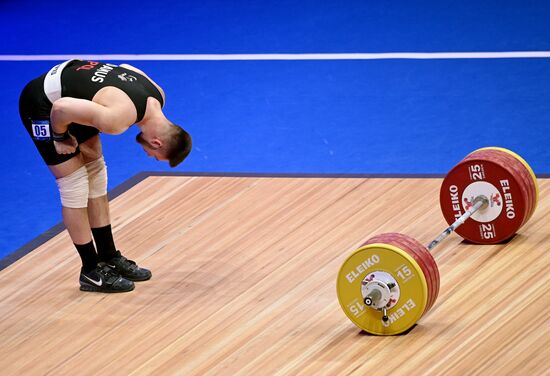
(64, 111)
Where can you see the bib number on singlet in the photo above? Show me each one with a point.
(41, 130)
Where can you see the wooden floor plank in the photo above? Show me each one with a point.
(244, 272)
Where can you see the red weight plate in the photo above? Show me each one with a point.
(425, 255)
(519, 167)
(515, 167)
(420, 254)
(483, 173)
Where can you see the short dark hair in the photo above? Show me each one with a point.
(179, 145)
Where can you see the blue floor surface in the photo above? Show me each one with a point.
(376, 116)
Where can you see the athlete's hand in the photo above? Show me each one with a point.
(67, 146)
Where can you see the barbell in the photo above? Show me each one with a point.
(392, 280)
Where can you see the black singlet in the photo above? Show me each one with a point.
(83, 79)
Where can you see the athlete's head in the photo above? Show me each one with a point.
(169, 143)
(178, 146)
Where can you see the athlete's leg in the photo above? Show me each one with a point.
(98, 203)
(72, 179)
(99, 215)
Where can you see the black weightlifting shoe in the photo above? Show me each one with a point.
(128, 268)
(104, 279)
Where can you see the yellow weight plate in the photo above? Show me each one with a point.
(413, 289)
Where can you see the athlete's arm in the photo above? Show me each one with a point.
(69, 110)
